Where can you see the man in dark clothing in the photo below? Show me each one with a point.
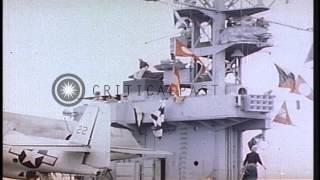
(250, 165)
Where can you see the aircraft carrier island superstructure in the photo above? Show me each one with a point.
(202, 127)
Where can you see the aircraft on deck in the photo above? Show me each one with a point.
(87, 151)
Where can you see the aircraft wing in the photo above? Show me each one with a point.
(142, 151)
(58, 147)
(18, 140)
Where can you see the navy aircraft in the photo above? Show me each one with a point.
(88, 151)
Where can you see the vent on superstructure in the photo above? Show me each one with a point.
(257, 103)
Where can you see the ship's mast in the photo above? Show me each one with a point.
(230, 35)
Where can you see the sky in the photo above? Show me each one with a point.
(102, 40)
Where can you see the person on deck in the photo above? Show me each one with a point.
(250, 165)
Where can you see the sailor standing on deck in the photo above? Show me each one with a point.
(250, 165)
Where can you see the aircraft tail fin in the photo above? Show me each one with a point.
(93, 131)
(98, 120)
(82, 134)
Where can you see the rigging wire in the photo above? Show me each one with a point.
(290, 26)
(162, 37)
